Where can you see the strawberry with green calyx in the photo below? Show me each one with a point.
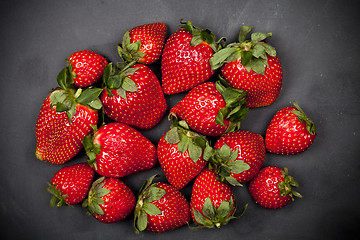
(70, 185)
(180, 153)
(272, 187)
(133, 95)
(118, 150)
(212, 109)
(290, 131)
(143, 44)
(212, 202)
(109, 200)
(160, 207)
(66, 117)
(185, 58)
(85, 67)
(251, 65)
(237, 156)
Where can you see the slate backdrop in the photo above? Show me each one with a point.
(318, 45)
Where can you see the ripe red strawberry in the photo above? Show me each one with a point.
(86, 67)
(143, 43)
(118, 150)
(110, 200)
(212, 202)
(290, 131)
(160, 207)
(133, 96)
(185, 59)
(212, 109)
(65, 118)
(70, 185)
(238, 156)
(251, 65)
(180, 153)
(271, 188)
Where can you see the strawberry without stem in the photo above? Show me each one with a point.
(110, 200)
(133, 95)
(212, 109)
(66, 117)
(212, 202)
(272, 187)
(70, 185)
(160, 207)
(180, 153)
(290, 131)
(86, 67)
(143, 44)
(118, 150)
(185, 59)
(251, 65)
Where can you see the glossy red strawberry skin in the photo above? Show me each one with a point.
(152, 37)
(263, 188)
(88, 67)
(58, 141)
(175, 211)
(262, 90)
(184, 66)
(199, 109)
(206, 185)
(178, 167)
(251, 150)
(142, 109)
(74, 181)
(118, 204)
(124, 151)
(286, 134)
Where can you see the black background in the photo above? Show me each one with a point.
(318, 45)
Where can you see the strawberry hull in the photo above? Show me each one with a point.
(58, 140)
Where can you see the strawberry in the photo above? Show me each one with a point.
(66, 117)
(143, 44)
(251, 65)
(238, 156)
(118, 150)
(212, 202)
(160, 207)
(85, 67)
(271, 187)
(70, 185)
(110, 200)
(133, 95)
(180, 153)
(290, 131)
(185, 58)
(212, 109)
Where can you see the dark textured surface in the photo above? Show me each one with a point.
(317, 42)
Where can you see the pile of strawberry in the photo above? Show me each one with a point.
(101, 107)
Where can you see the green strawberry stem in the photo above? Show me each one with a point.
(252, 52)
(285, 187)
(148, 193)
(236, 107)
(200, 35)
(186, 139)
(211, 217)
(310, 126)
(116, 77)
(130, 51)
(58, 198)
(94, 200)
(223, 162)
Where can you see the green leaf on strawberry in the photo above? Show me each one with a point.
(116, 77)
(94, 200)
(253, 52)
